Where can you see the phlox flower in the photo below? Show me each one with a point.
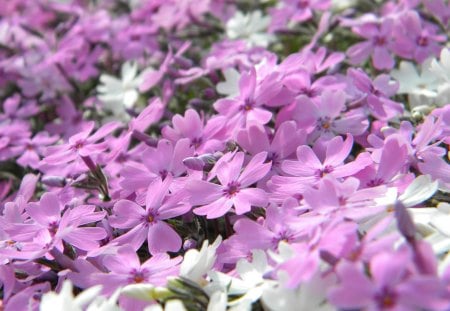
(248, 105)
(305, 256)
(250, 27)
(296, 11)
(230, 86)
(391, 286)
(32, 149)
(308, 169)
(160, 161)
(440, 9)
(82, 144)
(250, 284)
(279, 145)
(280, 224)
(421, 87)
(343, 199)
(125, 268)
(196, 264)
(376, 94)
(148, 223)
(204, 138)
(49, 227)
(379, 44)
(324, 116)
(121, 94)
(234, 190)
(88, 299)
(416, 39)
(389, 167)
(310, 295)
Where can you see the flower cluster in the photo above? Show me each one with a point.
(224, 155)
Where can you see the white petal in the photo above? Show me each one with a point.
(420, 190)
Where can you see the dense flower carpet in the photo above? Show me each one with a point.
(224, 155)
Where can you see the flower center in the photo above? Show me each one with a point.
(422, 41)
(78, 145)
(163, 174)
(326, 170)
(138, 276)
(375, 182)
(196, 142)
(379, 41)
(324, 124)
(53, 227)
(248, 105)
(303, 4)
(232, 189)
(386, 299)
(151, 218)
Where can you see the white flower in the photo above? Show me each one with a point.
(421, 87)
(230, 86)
(441, 68)
(65, 301)
(197, 263)
(420, 190)
(308, 296)
(432, 223)
(121, 94)
(101, 303)
(251, 27)
(218, 301)
(171, 305)
(341, 5)
(249, 286)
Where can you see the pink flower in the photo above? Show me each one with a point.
(379, 44)
(308, 169)
(125, 268)
(391, 286)
(204, 138)
(147, 224)
(248, 105)
(82, 144)
(234, 189)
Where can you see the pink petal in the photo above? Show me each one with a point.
(338, 151)
(127, 214)
(215, 209)
(229, 171)
(162, 238)
(203, 192)
(157, 191)
(85, 238)
(255, 170)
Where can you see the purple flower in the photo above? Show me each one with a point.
(324, 117)
(308, 169)
(376, 94)
(415, 39)
(247, 106)
(50, 227)
(204, 138)
(388, 166)
(125, 268)
(391, 286)
(379, 44)
(80, 145)
(167, 158)
(34, 148)
(280, 224)
(149, 223)
(234, 188)
(279, 146)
